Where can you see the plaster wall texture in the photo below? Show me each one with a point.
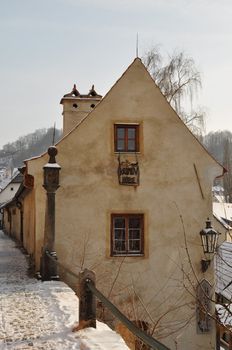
(6, 222)
(36, 204)
(174, 203)
(29, 223)
(15, 230)
(12, 222)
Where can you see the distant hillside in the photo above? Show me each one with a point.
(216, 142)
(13, 154)
(219, 144)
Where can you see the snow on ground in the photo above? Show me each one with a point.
(40, 315)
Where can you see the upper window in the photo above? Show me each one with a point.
(126, 138)
(127, 234)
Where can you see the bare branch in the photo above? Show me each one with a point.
(179, 81)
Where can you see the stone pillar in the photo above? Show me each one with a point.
(48, 262)
(87, 301)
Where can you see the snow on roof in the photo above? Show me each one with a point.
(218, 194)
(15, 172)
(4, 204)
(223, 222)
(218, 189)
(223, 210)
(4, 183)
(225, 314)
(223, 269)
(52, 165)
(17, 178)
(218, 198)
(223, 213)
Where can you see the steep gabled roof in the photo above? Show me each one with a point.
(224, 270)
(18, 178)
(136, 64)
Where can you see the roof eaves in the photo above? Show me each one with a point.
(6, 204)
(222, 222)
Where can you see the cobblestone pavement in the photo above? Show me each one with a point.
(41, 315)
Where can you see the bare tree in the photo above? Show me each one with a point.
(28, 146)
(219, 144)
(179, 81)
(227, 178)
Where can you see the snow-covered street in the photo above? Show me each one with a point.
(41, 315)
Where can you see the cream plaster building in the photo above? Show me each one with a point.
(135, 191)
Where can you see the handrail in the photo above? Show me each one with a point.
(147, 339)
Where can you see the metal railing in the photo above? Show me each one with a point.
(87, 306)
(147, 339)
(87, 309)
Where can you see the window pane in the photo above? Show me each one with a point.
(120, 145)
(131, 145)
(121, 133)
(131, 133)
(119, 234)
(119, 222)
(134, 245)
(119, 245)
(134, 222)
(134, 234)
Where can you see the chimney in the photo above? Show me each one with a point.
(76, 106)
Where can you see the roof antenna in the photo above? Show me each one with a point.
(137, 45)
(54, 133)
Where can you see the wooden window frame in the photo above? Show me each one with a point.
(127, 252)
(126, 127)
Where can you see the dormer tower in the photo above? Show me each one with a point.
(76, 106)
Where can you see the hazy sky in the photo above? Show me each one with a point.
(48, 45)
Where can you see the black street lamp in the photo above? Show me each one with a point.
(209, 238)
(48, 269)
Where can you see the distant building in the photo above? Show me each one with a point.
(224, 293)
(218, 194)
(222, 220)
(10, 188)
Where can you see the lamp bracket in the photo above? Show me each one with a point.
(204, 264)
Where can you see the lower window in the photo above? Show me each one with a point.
(127, 234)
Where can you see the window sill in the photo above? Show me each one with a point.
(127, 152)
(127, 255)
